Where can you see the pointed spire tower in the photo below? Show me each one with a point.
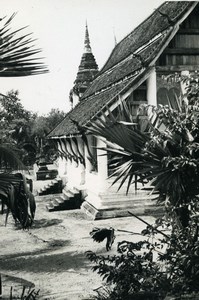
(87, 70)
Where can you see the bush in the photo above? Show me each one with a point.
(152, 268)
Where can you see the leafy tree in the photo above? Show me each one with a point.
(54, 117)
(11, 107)
(16, 126)
(26, 131)
(40, 128)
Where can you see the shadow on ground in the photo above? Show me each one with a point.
(46, 263)
(50, 246)
(42, 223)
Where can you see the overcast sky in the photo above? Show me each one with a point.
(59, 27)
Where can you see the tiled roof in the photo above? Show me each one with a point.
(86, 109)
(129, 59)
(164, 16)
(127, 66)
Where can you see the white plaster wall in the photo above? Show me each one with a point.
(92, 182)
(73, 174)
(62, 166)
(96, 182)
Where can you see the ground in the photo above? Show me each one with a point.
(51, 255)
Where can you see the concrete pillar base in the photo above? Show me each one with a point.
(148, 208)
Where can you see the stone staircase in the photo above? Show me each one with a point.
(117, 203)
(51, 187)
(67, 200)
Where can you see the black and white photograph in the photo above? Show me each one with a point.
(99, 150)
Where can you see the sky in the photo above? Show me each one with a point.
(59, 29)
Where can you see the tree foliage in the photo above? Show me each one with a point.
(26, 131)
(41, 126)
(16, 126)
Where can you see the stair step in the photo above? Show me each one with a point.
(64, 202)
(63, 197)
(55, 203)
(68, 193)
(51, 188)
(60, 200)
(74, 190)
(50, 207)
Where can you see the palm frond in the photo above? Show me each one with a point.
(100, 234)
(9, 159)
(19, 200)
(16, 52)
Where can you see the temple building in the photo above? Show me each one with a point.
(165, 43)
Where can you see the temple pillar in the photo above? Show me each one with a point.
(82, 167)
(88, 164)
(102, 164)
(152, 88)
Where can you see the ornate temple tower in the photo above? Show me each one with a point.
(87, 70)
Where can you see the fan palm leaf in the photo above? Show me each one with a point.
(16, 52)
(14, 193)
(100, 234)
(166, 153)
(9, 158)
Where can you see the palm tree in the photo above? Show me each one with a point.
(162, 149)
(17, 58)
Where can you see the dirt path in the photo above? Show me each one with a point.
(52, 254)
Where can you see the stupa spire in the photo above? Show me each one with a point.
(87, 47)
(87, 71)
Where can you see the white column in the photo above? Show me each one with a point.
(152, 88)
(88, 164)
(69, 166)
(73, 152)
(102, 164)
(82, 168)
(61, 166)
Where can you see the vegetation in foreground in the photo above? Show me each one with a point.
(162, 150)
(17, 59)
(25, 294)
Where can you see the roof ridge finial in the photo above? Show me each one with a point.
(87, 47)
